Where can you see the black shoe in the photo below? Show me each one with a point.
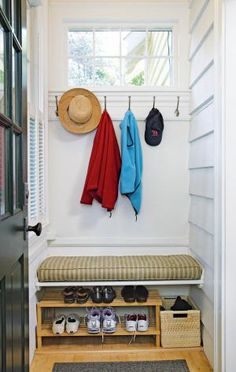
(128, 293)
(181, 304)
(141, 293)
(108, 295)
(69, 295)
(96, 295)
(82, 295)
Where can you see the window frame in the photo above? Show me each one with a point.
(84, 26)
(13, 126)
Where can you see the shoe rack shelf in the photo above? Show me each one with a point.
(51, 300)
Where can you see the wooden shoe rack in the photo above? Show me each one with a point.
(52, 302)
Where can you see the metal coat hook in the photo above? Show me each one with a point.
(177, 107)
(56, 112)
(154, 101)
(105, 103)
(129, 102)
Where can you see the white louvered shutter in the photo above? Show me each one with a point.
(41, 170)
(33, 176)
(37, 203)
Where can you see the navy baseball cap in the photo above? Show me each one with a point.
(154, 127)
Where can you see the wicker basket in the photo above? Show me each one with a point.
(180, 328)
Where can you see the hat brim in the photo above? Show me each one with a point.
(71, 125)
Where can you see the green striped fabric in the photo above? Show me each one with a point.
(100, 268)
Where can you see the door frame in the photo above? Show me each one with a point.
(228, 220)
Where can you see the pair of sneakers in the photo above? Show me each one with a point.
(63, 323)
(102, 294)
(104, 320)
(136, 322)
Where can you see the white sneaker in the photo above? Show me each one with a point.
(142, 323)
(58, 326)
(109, 320)
(93, 320)
(131, 322)
(72, 323)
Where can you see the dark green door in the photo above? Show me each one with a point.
(13, 178)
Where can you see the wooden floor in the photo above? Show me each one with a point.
(195, 358)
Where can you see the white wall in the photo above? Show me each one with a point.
(202, 160)
(38, 108)
(163, 219)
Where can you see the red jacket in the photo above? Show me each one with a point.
(104, 167)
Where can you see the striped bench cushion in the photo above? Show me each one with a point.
(100, 268)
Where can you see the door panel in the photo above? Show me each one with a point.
(13, 175)
(14, 288)
(17, 291)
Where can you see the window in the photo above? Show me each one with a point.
(11, 104)
(120, 57)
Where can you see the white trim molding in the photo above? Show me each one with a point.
(54, 241)
(117, 102)
(118, 283)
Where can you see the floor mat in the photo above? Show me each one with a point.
(155, 366)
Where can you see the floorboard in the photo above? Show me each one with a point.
(195, 358)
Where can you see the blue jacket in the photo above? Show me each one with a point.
(131, 161)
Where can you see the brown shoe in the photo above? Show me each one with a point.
(81, 295)
(68, 294)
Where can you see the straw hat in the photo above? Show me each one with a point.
(79, 111)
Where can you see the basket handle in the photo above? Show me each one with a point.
(181, 315)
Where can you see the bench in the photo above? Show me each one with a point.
(60, 271)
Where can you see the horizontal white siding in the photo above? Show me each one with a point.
(202, 152)
(202, 161)
(202, 213)
(208, 343)
(195, 11)
(202, 123)
(202, 182)
(203, 302)
(203, 57)
(203, 89)
(202, 28)
(202, 245)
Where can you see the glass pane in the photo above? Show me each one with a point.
(2, 171)
(133, 43)
(13, 15)
(8, 183)
(14, 171)
(3, 4)
(107, 43)
(159, 72)
(16, 88)
(80, 44)
(17, 171)
(13, 84)
(2, 69)
(107, 71)
(133, 71)
(159, 43)
(80, 72)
